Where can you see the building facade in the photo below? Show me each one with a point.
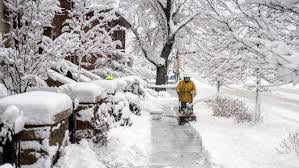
(3, 26)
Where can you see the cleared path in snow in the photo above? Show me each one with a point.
(174, 146)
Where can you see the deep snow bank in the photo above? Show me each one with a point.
(127, 147)
(233, 145)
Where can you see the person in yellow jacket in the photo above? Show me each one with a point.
(186, 91)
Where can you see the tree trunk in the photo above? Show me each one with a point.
(161, 77)
(218, 86)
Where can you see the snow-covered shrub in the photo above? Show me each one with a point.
(95, 119)
(101, 126)
(120, 106)
(228, 107)
(289, 144)
(135, 109)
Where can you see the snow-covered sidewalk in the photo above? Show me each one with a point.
(173, 145)
(233, 145)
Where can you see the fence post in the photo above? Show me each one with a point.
(72, 125)
(10, 149)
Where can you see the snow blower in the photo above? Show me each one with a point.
(185, 113)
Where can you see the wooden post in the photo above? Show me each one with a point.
(257, 96)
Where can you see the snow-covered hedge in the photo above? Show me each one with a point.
(228, 107)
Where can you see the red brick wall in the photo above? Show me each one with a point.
(59, 20)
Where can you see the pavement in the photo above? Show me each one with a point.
(175, 146)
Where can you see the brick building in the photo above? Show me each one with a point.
(59, 19)
(3, 26)
(58, 23)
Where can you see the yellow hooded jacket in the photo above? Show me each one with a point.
(186, 91)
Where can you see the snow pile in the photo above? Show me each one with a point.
(38, 107)
(80, 155)
(128, 146)
(85, 92)
(13, 118)
(3, 91)
(6, 166)
(11, 122)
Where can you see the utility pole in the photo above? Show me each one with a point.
(257, 96)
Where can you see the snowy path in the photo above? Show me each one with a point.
(174, 146)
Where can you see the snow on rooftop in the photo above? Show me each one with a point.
(85, 92)
(38, 107)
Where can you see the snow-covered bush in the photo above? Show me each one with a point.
(289, 144)
(121, 106)
(228, 107)
(101, 126)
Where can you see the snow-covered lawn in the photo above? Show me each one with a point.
(244, 145)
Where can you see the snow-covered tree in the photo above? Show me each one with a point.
(90, 26)
(156, 25)
(265, 30)
(259, 35)
(25, 61)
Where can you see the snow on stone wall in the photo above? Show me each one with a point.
(38, 107)
(84, 92)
